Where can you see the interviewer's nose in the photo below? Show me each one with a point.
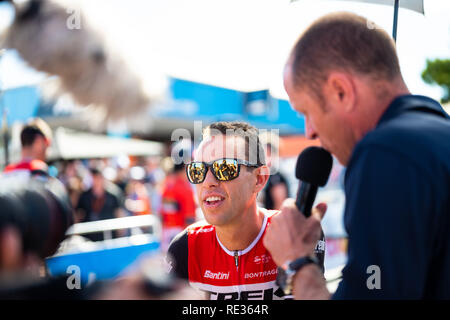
(310, 131)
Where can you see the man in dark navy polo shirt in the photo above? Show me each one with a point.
(345, 78)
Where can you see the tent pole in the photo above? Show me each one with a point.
(394, 27)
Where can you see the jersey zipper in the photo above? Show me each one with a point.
(236, 263)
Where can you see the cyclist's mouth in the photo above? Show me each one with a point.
(213, 201)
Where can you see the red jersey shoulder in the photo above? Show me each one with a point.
(200, 228)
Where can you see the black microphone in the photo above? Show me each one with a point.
(313, 169)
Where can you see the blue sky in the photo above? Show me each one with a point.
(238, 44)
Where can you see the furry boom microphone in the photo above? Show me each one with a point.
(92, 74)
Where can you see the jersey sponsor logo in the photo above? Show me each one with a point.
(264, 258)
(259, 291)
(267, 294)
(251, 275)
(216, 275)
(202, 230)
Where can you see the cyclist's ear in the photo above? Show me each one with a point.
(262, 175)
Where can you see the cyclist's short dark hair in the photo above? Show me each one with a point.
(254, 150)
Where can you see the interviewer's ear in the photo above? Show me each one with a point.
(341, 91)
(262, 176)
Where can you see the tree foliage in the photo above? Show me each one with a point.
(438, 72)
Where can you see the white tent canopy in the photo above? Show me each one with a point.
(71, 144)
(415, 5)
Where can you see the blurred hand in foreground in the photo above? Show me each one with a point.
(291, 235)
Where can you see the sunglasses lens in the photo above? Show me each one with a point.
(196, 172)
(225, 169)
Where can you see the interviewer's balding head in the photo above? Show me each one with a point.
(342, 74)
(342, 41)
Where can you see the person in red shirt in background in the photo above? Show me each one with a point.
(137, 200)
(178, 204)
(35, 139)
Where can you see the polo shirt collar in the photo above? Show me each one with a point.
(406, 103)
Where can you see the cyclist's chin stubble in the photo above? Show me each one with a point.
(220, 216)
(215, 214)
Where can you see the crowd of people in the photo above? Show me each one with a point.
(109, 188)
(117, 187)
(87, 190)
(39, 201)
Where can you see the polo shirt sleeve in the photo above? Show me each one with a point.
(390, 223)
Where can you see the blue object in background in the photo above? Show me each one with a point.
(197, 101)
(21, 103)
(210, 100)
(189, 101)
(100, 264)
(289, 117)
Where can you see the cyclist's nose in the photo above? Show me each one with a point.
(210, 180)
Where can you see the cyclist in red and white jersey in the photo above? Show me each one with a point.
(224, 256)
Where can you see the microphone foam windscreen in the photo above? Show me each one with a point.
(87, 66)
(314, 166)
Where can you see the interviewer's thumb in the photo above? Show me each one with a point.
(319, 210)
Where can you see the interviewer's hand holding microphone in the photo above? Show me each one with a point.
(294, 233)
